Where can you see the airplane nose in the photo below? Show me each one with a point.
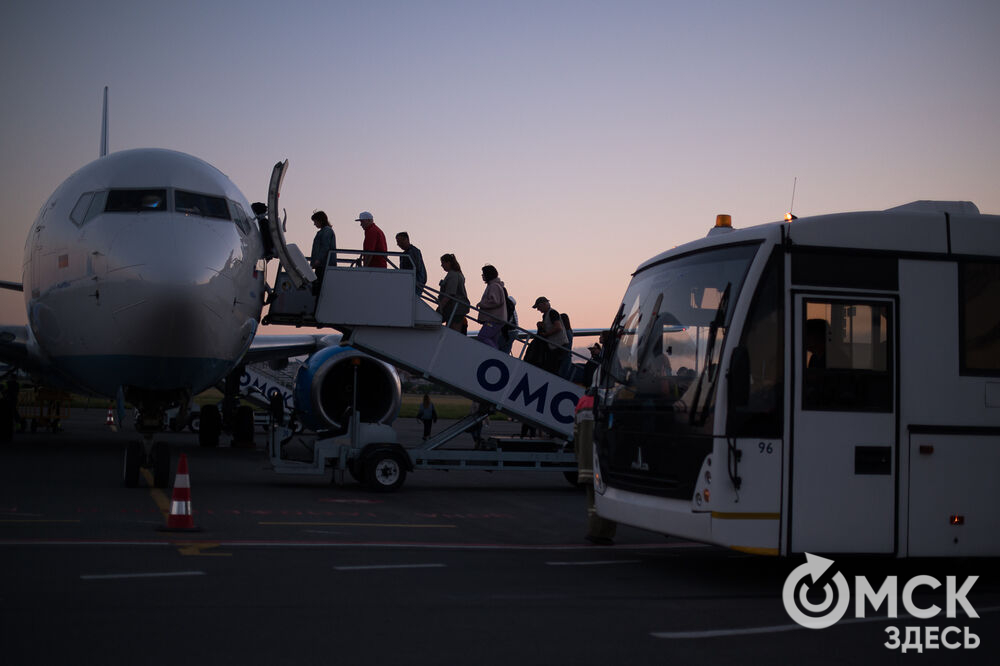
(172, 249)
(171, 290)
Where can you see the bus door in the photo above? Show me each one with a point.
(844, 441)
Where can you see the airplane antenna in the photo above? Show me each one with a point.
(104, 125)
(789, 216)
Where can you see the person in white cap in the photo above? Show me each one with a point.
(374, 242)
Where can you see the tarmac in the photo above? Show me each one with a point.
(453, 568)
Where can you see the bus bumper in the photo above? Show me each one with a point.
(657, 514)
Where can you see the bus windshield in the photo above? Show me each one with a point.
(669, 331)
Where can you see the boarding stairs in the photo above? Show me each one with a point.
(380, 313)
(261, 380)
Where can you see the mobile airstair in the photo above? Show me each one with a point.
(380, 312)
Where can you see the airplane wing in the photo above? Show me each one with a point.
(577, 332)
(16, 348)
(276, 347)
(587, 332)
(13, 339)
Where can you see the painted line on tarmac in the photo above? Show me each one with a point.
(198, 548)
(159, 497)
(779, 628)
(255, 543)
(298, 524)
(351, 501)
(587, 563)
(366, 567)
(323, 532)
(170, 574)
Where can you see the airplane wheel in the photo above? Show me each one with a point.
(385, 471)
(161, 465)
(133, 458)
(243, 427)
(210, 426)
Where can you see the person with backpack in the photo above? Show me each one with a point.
(492, 308)
(566, 365)
(453, 301)
(509, 331)
(412, 260)
(553, 331)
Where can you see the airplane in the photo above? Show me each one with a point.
(143, 281)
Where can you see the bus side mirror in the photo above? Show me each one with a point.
(739, 378)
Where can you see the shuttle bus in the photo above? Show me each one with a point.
(829, 384)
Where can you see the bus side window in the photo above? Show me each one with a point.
(846, 356)
(979, 317)
(763, 341)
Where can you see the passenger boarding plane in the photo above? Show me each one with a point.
(143, 279)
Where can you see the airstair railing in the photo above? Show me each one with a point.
(524, 336)
(432, 296)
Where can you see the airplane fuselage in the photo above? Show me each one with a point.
(143, 271)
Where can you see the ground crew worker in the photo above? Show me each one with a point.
(8, 410)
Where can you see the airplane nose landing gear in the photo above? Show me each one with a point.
(154, 456)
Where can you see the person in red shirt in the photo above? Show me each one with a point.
(374, 242)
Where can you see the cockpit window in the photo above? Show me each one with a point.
(136, 201)
(191, 203)
(79, 214)
(240, 216)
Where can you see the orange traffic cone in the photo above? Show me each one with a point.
(180, 518)
(110, 420)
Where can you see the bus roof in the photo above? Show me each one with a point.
(919, 227)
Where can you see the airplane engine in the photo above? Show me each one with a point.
(324, 389)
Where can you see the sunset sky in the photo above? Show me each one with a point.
(562, 142)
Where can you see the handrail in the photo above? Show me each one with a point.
(523, 332)
(431, 296)
(354, 262)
